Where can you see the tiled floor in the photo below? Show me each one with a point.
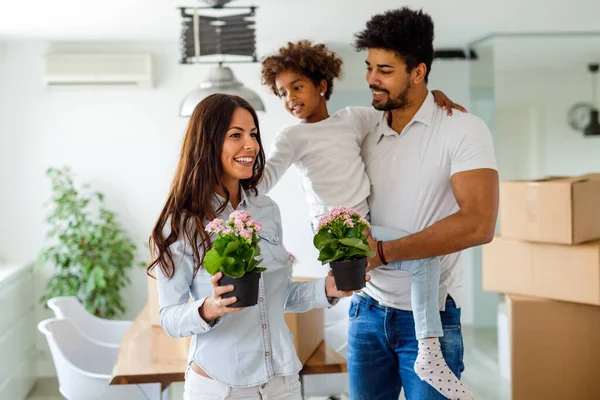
(45, 389)
(481, 365)
(481, 373)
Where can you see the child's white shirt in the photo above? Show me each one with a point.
(328, 156)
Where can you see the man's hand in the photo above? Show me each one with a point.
(375, 261)
(331, 289)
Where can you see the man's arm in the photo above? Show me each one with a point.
(476, 193)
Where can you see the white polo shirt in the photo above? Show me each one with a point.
(411, 190)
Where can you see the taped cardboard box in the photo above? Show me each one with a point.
(554, 210)
(552, 271)
(555, 351)
(307, 328)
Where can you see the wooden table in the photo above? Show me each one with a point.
(148, 355)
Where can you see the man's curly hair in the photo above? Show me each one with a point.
(315, 61)
(407, 32)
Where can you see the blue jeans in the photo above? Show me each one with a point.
(424, 289)
(382, 350)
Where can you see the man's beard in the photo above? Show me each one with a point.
(399, 102)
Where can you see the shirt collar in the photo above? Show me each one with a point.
(243, 198)
(424, 115)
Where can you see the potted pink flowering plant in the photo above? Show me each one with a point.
(342, 243)
(234, 254)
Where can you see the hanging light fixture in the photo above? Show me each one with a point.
(229, 34)
(593, 128)
(220, 79)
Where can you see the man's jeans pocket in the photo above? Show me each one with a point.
(354, 309)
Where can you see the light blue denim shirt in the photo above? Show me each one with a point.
(249, 347)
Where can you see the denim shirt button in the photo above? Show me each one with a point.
(264, 326)
(260, 299)
(267, 354)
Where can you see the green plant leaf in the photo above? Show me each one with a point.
(352, 242)
(232, 247)
(253, 264)
(232, 267)
(323, 238)
(340, 254)
(326, 255)
(356, 232)
(212, 261)
(355, 252)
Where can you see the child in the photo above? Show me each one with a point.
(326, 149)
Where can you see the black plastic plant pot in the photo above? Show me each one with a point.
(349, 275)
(244, 288)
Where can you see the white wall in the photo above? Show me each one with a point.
(553, 147)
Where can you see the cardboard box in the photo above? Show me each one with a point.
(307, 328)
(555, 351)
(552, 210)
(552, 271)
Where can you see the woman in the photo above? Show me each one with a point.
(237, 353)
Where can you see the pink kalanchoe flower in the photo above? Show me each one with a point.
(215, 226)
(341, 214)
(243, 216)
(246, 234)
(238, 224)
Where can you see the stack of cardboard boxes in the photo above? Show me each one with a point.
(547, 261)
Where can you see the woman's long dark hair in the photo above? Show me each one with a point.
(190, 200)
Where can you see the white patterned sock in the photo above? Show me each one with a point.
(431, 367)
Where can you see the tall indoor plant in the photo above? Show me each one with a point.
(90, 251)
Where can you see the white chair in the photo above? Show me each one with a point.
(102, 331)
(84, 367)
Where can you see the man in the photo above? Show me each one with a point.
(431, 174)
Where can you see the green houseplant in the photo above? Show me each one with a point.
(342, 243)
(234, 254)
(88, 248)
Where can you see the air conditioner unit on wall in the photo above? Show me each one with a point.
(82, 69)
